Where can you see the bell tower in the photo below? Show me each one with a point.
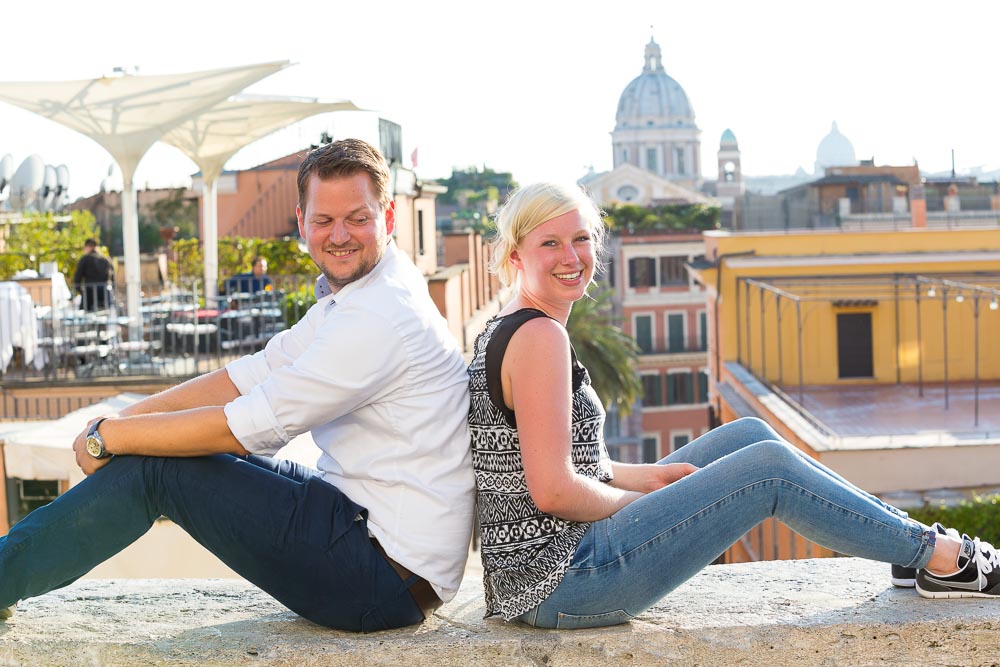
(729, 188)
(730, 175)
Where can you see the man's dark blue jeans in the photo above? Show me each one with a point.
(276, 523)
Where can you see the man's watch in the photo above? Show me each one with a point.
(95, 443)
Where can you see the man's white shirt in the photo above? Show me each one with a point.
(375, 375)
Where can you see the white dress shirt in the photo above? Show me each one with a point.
(377, 377)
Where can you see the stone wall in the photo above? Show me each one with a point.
(833, 611)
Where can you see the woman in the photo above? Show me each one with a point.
(571, 539)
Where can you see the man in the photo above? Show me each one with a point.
(92, 278)
(250, 283)
(379, 536)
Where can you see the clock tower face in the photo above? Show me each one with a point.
(627, 193)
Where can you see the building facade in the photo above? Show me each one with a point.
(656, 144)
(871, 351)
(663, 310)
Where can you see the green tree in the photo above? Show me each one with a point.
(149, 235)
(487, 181)
(43, 238)
(284, 257)
(175, 211)
(608, 352)
(667, 217)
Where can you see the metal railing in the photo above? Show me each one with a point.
(673, 349)
(178, 333)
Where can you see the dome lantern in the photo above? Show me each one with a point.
(654, 58)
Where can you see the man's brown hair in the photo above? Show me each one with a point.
(345, 157)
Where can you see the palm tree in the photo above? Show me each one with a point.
(607, 351)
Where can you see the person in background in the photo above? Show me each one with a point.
(253, 282)
(571, 539)
(93, 277)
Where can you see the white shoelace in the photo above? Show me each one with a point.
(987, 557)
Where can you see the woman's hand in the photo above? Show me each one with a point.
(649, 477)
(666, 474)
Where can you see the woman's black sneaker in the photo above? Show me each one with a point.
(906, 577)
(978, 575)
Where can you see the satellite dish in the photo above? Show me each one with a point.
(47, 193)
(26, 183)
(6, 172)
(62, 188)
(113, 182)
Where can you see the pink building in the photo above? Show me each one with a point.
(663, 310)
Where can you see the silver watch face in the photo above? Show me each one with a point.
(95, 447)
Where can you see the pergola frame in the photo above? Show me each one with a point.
(870, 289)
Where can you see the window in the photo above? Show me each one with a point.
(675, 332)
(651, 159)
(729, 171)
(649, 453)
(679, 440)
(625, 156)
(854, 345)
(679, 160)
(672, 271)
(628, 192)
(680, 388)
(642, 272)
(644, 333)
(420, 232)
(702, 331)
(703, 386)
(652, 390)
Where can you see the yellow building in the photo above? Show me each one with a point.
(875, 352)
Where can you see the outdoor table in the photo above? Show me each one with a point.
(18, 327)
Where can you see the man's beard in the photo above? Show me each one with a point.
(363, 270)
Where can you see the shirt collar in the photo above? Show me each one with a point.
(322, 288)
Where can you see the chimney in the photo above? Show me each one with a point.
(918, 206)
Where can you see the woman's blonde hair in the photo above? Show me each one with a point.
(529, 207)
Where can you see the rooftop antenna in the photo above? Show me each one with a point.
(6, 172)
(953, 163)
(62, 188)
(47, 193)
(27, 181)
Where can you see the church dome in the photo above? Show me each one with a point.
(835, 150)
(728, 139)
(653, 99)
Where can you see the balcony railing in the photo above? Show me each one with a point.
(673, 349)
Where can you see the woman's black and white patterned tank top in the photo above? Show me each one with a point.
(525, 552)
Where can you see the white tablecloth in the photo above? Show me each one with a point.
(18, 326)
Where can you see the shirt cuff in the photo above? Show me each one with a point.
(247, 372)
(253, 423)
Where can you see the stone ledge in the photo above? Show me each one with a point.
(809, 612)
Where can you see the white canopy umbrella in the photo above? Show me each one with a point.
(215, 135)
(126, 115)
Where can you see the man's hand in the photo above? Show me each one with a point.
(88, 464)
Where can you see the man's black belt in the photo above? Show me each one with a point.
(421, 591)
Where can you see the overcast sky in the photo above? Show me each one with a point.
(532, 87)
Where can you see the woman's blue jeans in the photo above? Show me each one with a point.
(627, 562)
(276, 523)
